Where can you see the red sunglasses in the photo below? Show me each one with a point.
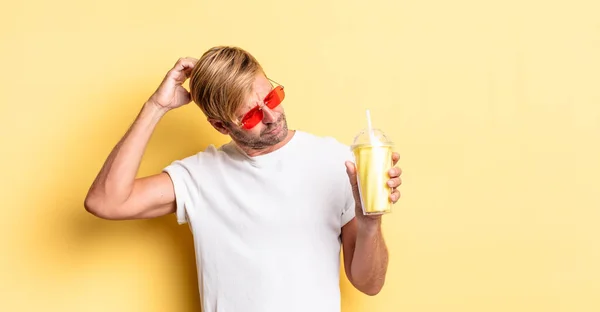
(255, 115)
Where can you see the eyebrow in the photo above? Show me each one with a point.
(239, 117)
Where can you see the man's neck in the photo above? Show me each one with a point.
(257, 152)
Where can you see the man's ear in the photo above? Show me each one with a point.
(219, 125)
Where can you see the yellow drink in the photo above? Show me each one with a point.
(372, 165)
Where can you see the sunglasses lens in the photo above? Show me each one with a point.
(252, 118)
(275, 97)
(255, 115)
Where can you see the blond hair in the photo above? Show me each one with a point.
(221, 81)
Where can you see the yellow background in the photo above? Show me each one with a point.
(494, 106)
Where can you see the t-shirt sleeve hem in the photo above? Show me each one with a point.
(177, 173)
(349, 210)
(348, 215)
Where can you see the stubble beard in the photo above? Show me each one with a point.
(263, 141)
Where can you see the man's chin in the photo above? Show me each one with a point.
(273, 132)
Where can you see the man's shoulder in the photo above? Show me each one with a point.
(323, 143)
(326, 140)
(208, 154)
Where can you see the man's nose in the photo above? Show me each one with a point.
(268, 115)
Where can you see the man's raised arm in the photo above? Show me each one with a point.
(116, 194)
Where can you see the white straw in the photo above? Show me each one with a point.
(370, 127)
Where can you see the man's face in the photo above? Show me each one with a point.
(271, 130)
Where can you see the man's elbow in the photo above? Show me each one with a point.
(100, 208)
(369, 288)
(372, 290)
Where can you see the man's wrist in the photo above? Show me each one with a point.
(369, 225)
(154, 109)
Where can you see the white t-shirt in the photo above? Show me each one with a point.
(267, 229)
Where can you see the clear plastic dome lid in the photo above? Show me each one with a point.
(373, 137)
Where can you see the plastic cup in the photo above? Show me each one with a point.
(373, 158)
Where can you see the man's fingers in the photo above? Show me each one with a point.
(395, 172)
(394, 182)
(188, 65)
(395, 158)
(395, 196)
(351, 170)
(185, 62)
(187, 97)
(182, 69)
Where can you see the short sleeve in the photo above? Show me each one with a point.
(348, 212)
(182, 175)
(349, 208)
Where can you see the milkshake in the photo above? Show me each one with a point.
(373, 158)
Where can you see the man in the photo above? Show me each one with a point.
(268, 210)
